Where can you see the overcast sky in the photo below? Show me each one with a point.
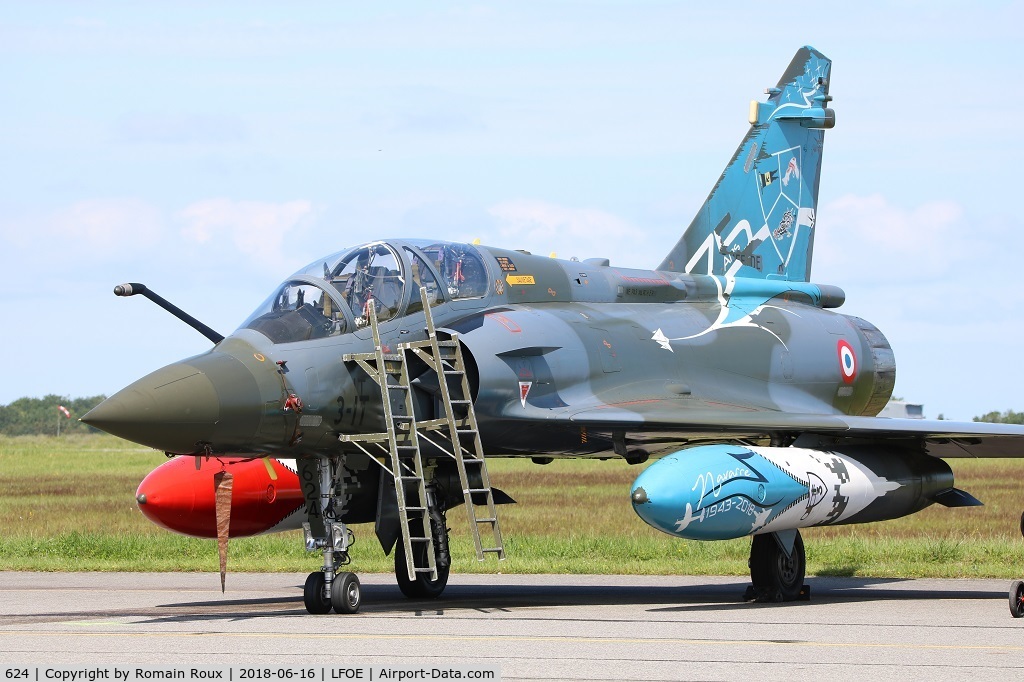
(211, 152)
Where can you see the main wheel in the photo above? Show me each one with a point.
(422, 587)
(1017, 599)
(345, 593)
(772, 572)
(313, 594)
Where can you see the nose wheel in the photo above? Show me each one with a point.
(314, 594)
(344, 594)
(328, 588)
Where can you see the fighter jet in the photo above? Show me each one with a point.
(391, 370)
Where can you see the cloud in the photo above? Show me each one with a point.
(106, 222)
(859, 235)
(542, 227)
(255, 228)
(94, 229)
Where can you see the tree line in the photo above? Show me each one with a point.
(40, 416)
(1008, 417)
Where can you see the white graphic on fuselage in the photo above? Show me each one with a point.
(662, 340)
(849, 487)
(723, 321)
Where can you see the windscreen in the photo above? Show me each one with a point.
(299, 311)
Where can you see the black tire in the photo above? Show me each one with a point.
(346, 594)
(772, 572)
(1017, 599)
(422, 587)
(313, 594)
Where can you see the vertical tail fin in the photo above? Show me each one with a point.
(758, 220)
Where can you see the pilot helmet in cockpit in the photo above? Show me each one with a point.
(463, 273)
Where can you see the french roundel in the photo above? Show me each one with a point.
(847, 362)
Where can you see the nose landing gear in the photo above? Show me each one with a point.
(327, 589)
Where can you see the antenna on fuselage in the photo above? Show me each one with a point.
(134, 288)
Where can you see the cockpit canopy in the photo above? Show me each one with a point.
(334, 295)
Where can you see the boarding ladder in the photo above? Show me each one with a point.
(459, 428)
(400, 443)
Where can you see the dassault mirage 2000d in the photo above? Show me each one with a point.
(389, 370)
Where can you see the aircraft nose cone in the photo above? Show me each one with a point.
(211, 400)
(172, 409)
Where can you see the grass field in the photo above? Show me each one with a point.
(68, 504)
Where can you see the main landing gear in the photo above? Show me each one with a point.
(422, 586)
(777, 567)
(1017, 588)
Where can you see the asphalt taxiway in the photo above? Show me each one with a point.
(558, 627)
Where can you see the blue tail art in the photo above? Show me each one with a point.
(758, 220)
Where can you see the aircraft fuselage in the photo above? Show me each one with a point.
(580, 351)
